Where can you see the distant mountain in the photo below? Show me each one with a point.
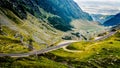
(101, 18)
(113, 21)
(59, 13)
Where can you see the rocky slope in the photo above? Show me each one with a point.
(42, 21)
(59, 13)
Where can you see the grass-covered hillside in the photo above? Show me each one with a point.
(57, 12)
(15, 33)
(100, 54)
(31, 25)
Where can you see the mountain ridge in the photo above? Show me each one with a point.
(44, 22)
(62, 14)
(113, 21)
(101, 18)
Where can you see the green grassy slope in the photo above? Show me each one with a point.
(39, 30)
(101, 54)
(31, 28)
(29, 62)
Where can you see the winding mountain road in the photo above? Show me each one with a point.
(96, 39)
(106, 36)
(60, 45)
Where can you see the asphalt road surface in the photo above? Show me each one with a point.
(60, 45)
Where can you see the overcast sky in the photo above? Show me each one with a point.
(107, 7)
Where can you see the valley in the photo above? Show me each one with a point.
(58, 46)
(57, 34)
(91, 54)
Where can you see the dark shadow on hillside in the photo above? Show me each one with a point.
(20, 8)
(58, 24)
(15, 7)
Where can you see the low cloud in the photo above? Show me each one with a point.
(100, 7)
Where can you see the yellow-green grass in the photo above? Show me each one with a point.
(11, 45)
(30, 28)
(39, 63)
(79, 45)
(90, 49)
(30, 62)
(96, 53)
(101, 54)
